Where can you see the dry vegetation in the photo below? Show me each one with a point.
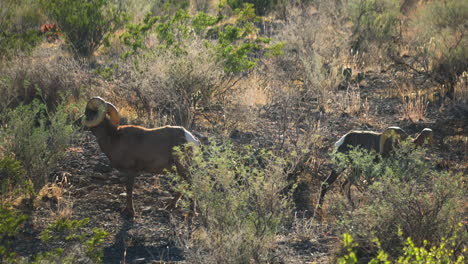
(269, 88)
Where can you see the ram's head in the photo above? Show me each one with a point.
(97, 109)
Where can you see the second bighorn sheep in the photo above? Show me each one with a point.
(134, 149)
(382, 143)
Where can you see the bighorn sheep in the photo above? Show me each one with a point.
(382, 143)
(133, 149)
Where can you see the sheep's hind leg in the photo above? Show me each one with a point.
(324, 188)
(184, 174)
(128, 210)
(346, 189)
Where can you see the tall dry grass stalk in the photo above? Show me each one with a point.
(413, 103)
(461, 89)
(351, 102)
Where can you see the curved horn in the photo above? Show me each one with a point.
(390, 132)
(426, 136)
(95, 112)
(113, 114)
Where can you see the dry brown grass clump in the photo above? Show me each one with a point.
(48, 74)
(414, 104)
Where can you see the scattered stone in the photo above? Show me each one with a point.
(102, 167)
(139, 260)
(99, 176)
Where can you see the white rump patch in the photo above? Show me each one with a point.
(340, 142)
(427, 129)
(191, 138)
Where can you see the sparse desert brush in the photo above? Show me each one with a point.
(314, 51)
(404, 192)
(175, 88)
(11, 222)
(49, 74)
(439, 40)
(451, 250)
(20, 22)
(85, 25)
(36, 137)
(14, 182)
(238, 194)
(375, 23)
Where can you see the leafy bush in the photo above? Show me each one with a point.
(440, 39)
(19, 26)
(73, 231)
(48, 75)
(239, 200)
(37, 138)
(374, 22)
(85, 23)
(189, 74)
(10, 225)
(80, 245)
(403, 192)
(173, 89)
(314, 52)
(447, 251)
(13, 180)
(235, 47)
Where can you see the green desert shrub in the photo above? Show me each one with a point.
(13, 179)
(48, 75)
(238, 195)
(63, 241)
(403, 192)
(37, 138)
(84, 23)
(77, 239)
(375, 22)
(440, 39)
(450, 250)
(19, 26)
(187, 73)
(233, 44)
(11, 223)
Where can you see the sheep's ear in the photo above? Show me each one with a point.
(113, 114)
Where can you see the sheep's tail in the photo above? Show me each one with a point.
(191, 138)
(341, 141)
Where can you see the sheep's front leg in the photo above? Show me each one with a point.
(128, 210)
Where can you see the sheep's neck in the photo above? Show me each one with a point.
(106, 134)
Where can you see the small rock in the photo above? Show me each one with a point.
(139, 260)
(99, 176)
(146, 208)
(102, 167)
